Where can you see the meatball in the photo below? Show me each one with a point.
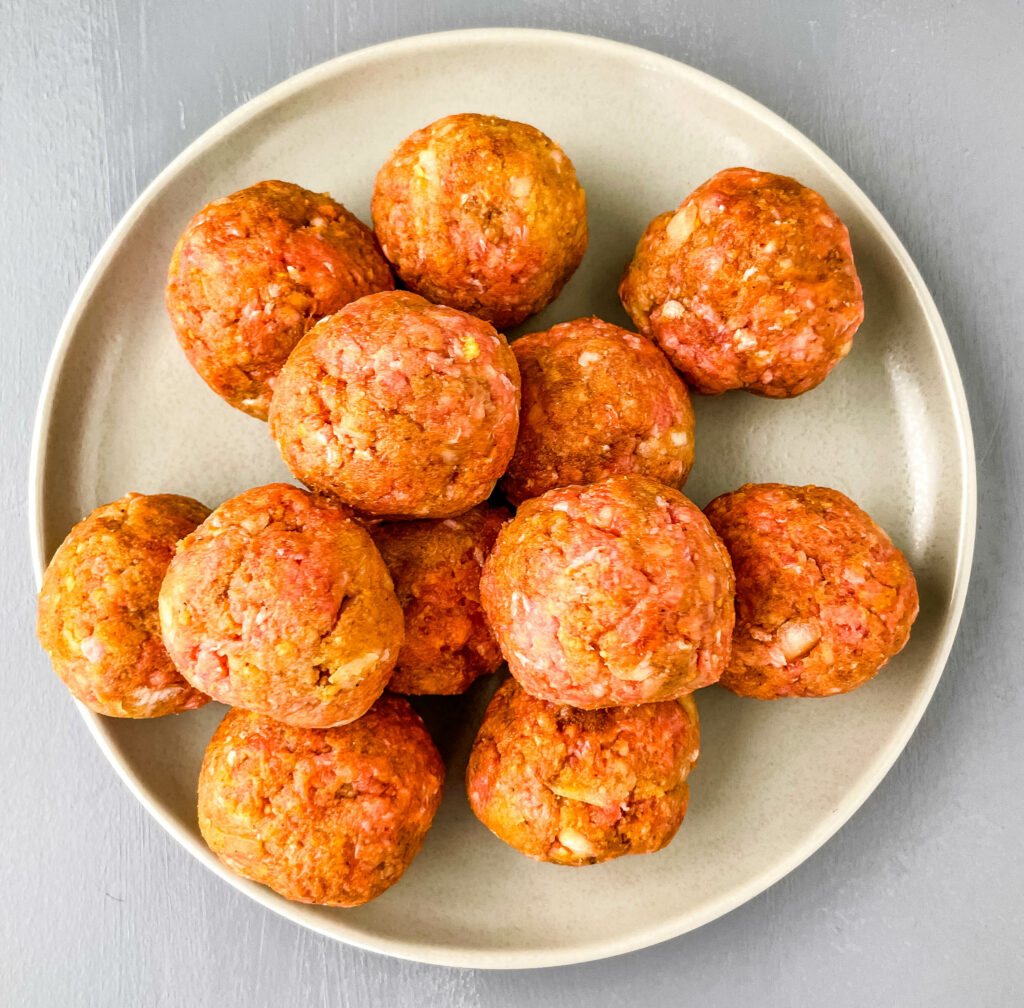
(280, 603)
(823, 598)
(613, 593)
(97, 617)
(329, 815)
(399, 407)
(482, 214)
(749, 284)
(436, 566)
(579, 787)
(597, 401)
(253, 272)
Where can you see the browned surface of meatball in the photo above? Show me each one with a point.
(97, 616)
(399, 407)
(598, 401)
(580, 787)
(749, 284)
(823, 598)
(436, 569)
(253, 271)
(614, 593)
(332, 816)
(279, 603)
(482, 214)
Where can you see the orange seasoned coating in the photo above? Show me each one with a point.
(279, 603)
(598, 401)
(579, 787)
(614, 593)
(823, 597)
(436, 568)
(97, 615)
(398, 407)
(253, 271)
(332, 816)
(749, 284)
(482, 214)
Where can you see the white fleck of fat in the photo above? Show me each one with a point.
(797, 638)
(151, 697)
(682, 225)
(576, 842)
(521, 186)
(579, 792)
(93, 649)
(636, 673)
(355, 667)
(587, 358)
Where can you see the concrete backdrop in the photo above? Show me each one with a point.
(917, 901)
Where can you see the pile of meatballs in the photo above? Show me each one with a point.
(468, 503)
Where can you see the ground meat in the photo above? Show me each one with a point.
(331, 816)
(614, 593)
(436, 569)
(482, 214)
(598, 401)
(280, 603)
(253, 272)
(97, 615)
(399, 407)
(823, 598)
(579, 787)
(749, 284)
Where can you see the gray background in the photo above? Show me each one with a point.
(918, 899)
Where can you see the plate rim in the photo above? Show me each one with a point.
(495, 958)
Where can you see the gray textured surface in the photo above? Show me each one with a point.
(918, 899)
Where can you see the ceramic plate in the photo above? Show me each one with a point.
(121, 410)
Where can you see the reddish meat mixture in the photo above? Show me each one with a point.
(749, 284)
(598, 401)
(98, 607)
(823, 598)
(482, 214)
(436, 569)
(332, 816)
(399, 407)
(253, 272)
(280, 603)
(579, 787)
(614, 593)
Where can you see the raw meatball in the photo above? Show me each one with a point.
(482, 214)
(597, 401)
(579, 787)
(399, 407)
(823, 598)
(280, 603)
(331, 816)
(97, 617)
(614, 593)
(749, 284)
(253, 272)
(436, 569)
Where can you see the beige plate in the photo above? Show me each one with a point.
(121, 410)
